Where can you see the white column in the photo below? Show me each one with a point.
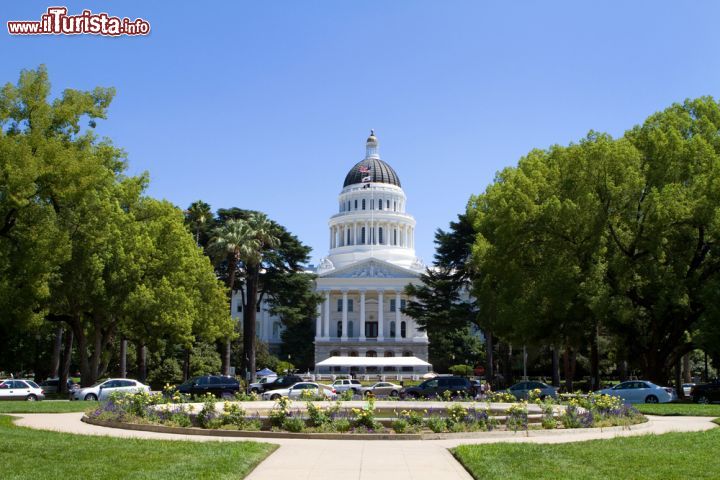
(362, 316)
(397, 315)
(344, 316)
(327, 315)
(318, 323)
(381, 308)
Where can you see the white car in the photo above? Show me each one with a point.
(102, 390)
(640, 391)
(345, 384)
(257, 387)
(297, 390)
(13, 389)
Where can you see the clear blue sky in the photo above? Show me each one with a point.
(266, 105)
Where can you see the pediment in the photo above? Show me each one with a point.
(372, 268)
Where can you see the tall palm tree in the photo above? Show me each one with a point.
(197, 215)
(244, 243)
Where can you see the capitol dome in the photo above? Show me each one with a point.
(376, 169)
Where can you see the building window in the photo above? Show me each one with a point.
(257, 307)
(348, 238)
(371, 329)
(350, 329)
(339, 329)
(349, 205)
(371, 353)
(388, 204)
(402, 304)
(372, 204)
(389, 354)
(394, 236)
(394, 206)
(407, 354)
(353, 354)
(356, 204)
(403, 329)
(380, 204)
(276, 330)
(392, 304)
(350, 304)
(363, 204)
(392, 329)
(334, 353)
(362, 232)
(239, 307)
(380, 235)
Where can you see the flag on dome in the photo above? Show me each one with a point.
(363, 169)
(366, 179)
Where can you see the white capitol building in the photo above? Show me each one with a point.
(371, 260)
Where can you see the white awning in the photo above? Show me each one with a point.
(373, 362)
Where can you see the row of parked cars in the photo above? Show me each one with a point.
(293, 386)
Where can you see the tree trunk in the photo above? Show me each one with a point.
(186, 365)
(555, 366)
(141, 361)
(64, 372)
(57, 347)
(227, 352)
(123, 358)
(687, 374)
(623, 370)
(594, 361)
(678, 379)
(569, 368)
(249, 316)
(489, 358)
(507, 366)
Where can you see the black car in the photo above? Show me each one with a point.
(706, 392)
(219, 385)
(457, 386)
(281, 382)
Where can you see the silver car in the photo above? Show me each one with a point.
(102, 390)
(382, 388)
(522, 390)
(300, 388)
(640, 391)
(14, 389)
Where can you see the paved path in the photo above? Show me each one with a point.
(368, 459)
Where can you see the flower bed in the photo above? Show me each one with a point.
(365, 418)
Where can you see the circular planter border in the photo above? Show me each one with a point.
(354, 436)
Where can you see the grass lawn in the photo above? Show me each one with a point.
(672, 455)
(26, 453)
(679, 409)
(21, 406)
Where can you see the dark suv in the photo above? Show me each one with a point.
(281, 382)
(707, 392)
(219, 385)
(457, 386)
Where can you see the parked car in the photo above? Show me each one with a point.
(257, 387)
(640, 391)
(286, 381)
(382, 388)
(298, 389)
(687, 389)
(219, 385)
(344, 384)
(19, 389)
(706, 392)
(51, 385)
(102, 389)
(522, 390)
(457, 386)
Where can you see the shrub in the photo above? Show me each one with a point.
(517, 417)
(317, 415)
(501, 397)
(365, 417)
(342, 425)
(437, 424)
(347, 395)
(280, 411)
(461, 370)
(400, 425)
(293, 424)
(207, 415)
(457, 414)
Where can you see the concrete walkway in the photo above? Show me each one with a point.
(369, 459)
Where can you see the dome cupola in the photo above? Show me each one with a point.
(371, 169)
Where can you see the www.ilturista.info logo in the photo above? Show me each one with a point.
(57, 22)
